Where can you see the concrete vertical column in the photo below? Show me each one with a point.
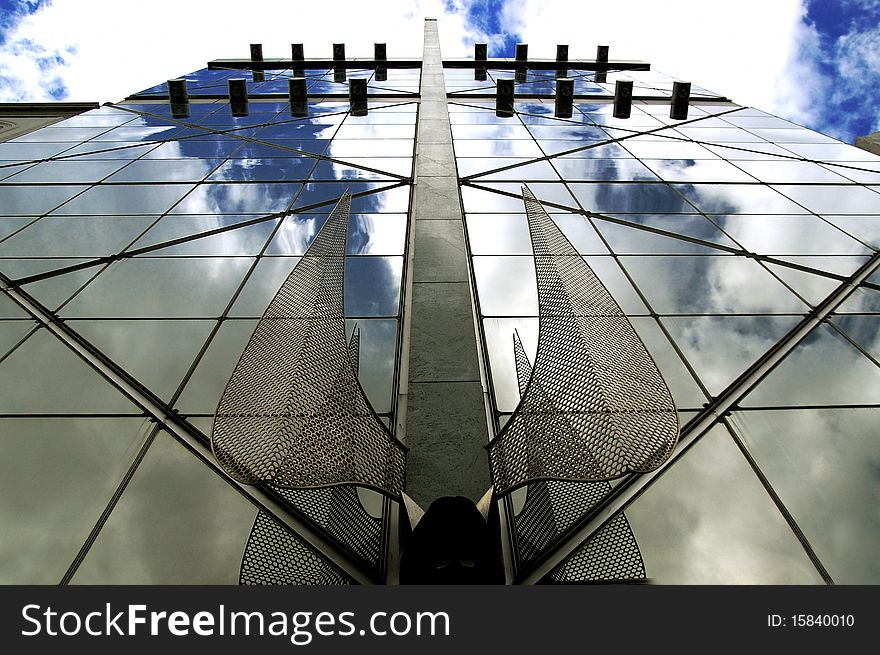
(446, 428)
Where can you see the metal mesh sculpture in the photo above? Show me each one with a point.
(293, 414)
(274, 556)
(612, 554)
(595, 406)
(552, 506)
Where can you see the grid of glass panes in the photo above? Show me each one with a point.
(716, 235)
(161, 242)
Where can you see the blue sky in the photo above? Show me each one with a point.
(845, 56)
(814, 61)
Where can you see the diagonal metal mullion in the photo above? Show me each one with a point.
(188, 435)
(632, 486)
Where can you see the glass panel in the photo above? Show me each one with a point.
(263, 170)
(719, 135)
(581, 233)
(76, 236)
(738, 199)
(236, 198)
(719, 348)
(296, 233)
(54, 291)
(535, 171)
(545, 192)
(866, 172)
(498, 234)
(124, 199)
(371, 148)
(602, 169)
(156, 353)
(197, 149)
(166, 170)
(691, 225)
(262, 285)
(203, 390)
(9, 309)
(75, 134)
(789, 171)
(20, 151)
(22, 201)
(787, 235)
(17, 268)
(626, 240)
(372, 286)
(378, 350)
(11, 332)
(499, 342)
(823, 465)
(69, 170)
(834, 199)
(697, 170)
(684, 389)
(824, 369)
(606, 151)
(247, 240)
(58, 475)
(692, 530)
(864, 228)
(837, 264)
(506, 286)
(811, 287)
(43, 376)
(10, 225)
(181, 287)
(671, 149)
(830, 152)
(181, 523)
(110, 150)
(497, 148)
(638, 198)
(737, 151)
(864, 330)
(862, 299)
(700, 285)
(376, 234)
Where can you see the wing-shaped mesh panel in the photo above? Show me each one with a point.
(552, 507)
(293, 413)
(595, 406)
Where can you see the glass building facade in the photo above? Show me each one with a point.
(140, 249)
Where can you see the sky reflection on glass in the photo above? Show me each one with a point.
(823, 463)
(692, 530)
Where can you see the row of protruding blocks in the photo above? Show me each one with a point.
(623, 94)
(297, 52)
(504, 99)
(178, 96)
(357, 91)
(380, 53)
(481, 52)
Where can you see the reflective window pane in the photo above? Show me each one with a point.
(692, 530)
(182, 523)
(822, 463)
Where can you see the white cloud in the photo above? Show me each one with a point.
(113, 48)
(756, 52)
(740, 49)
